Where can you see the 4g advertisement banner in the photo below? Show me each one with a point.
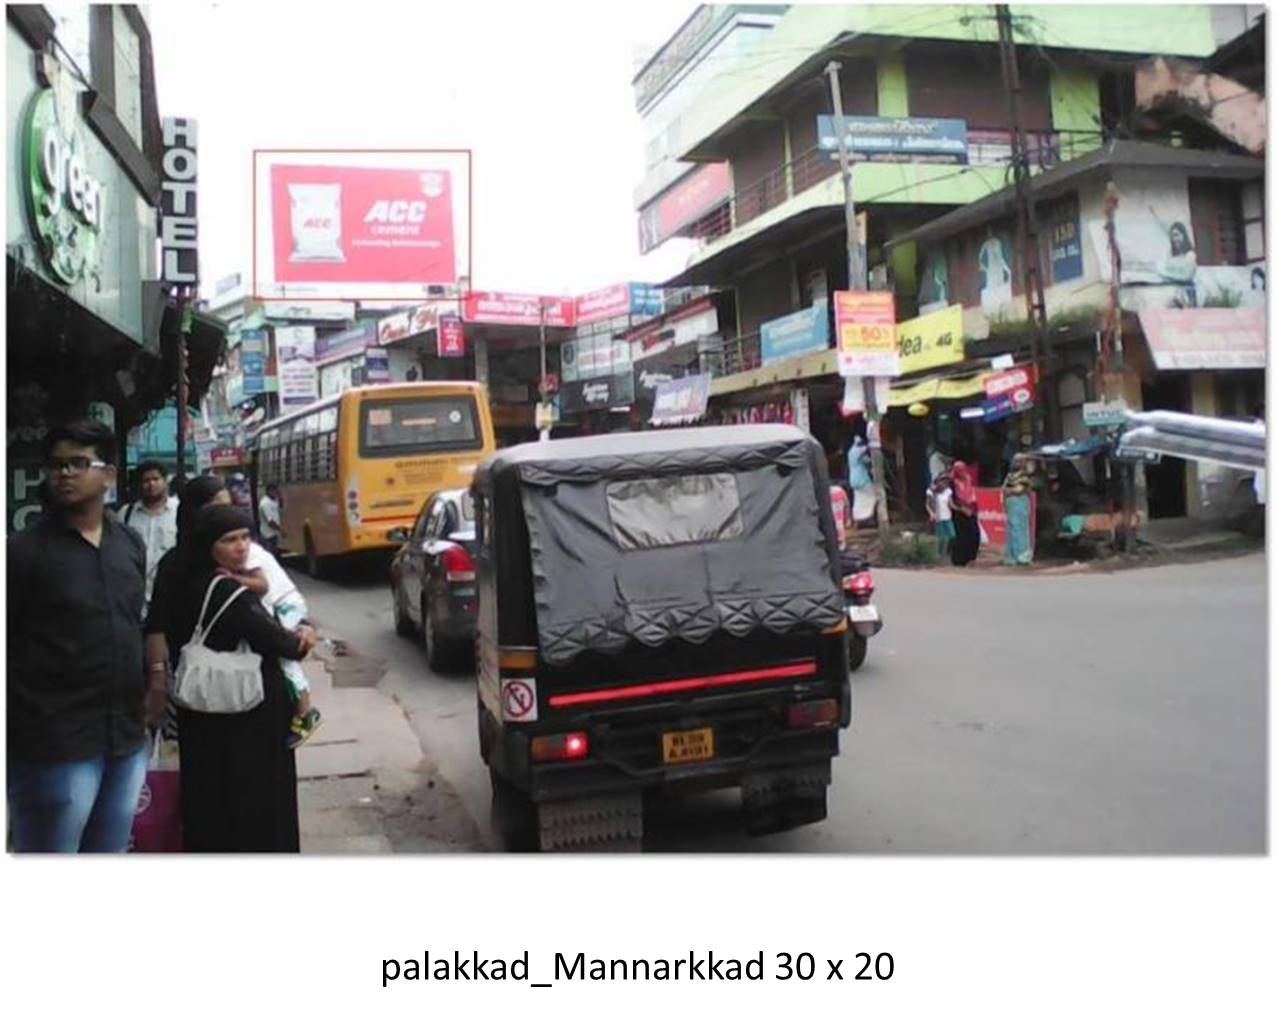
(329, 230)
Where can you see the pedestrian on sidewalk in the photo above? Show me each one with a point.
(153, 517)
(239, 778)
(1017, 503)
(940, 509)
(78, 696)
(860, 476)
(269, 524)
(966, 518)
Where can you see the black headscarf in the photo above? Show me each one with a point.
(212, 522)
(198, 492)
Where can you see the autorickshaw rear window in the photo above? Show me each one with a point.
(661, 511)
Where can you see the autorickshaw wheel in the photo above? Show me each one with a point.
(514, 817)
(857, 648)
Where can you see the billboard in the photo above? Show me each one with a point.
(692, 198)
(298, 375)
(360, 225)
(620, 300)
(804, 331)
(866, 327)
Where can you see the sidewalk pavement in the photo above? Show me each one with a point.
(363, 784)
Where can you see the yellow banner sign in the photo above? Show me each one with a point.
(939, 388)
(933, 340)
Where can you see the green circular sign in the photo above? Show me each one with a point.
(65, 201)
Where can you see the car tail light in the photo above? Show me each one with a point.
(560, 747)
(458, 566)
(861, 582)
(817, 713)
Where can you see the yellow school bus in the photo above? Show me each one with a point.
(352, 467)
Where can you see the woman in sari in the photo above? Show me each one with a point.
(1017, 502)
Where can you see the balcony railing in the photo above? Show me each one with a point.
(985, 147)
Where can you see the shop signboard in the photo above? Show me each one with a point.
(805, 331)
(252, 360)
(1207, 338)
(345, 230)
(179, 225)
(452, 337)
(933, 340)
(897, 138)
(691, 198)
(681, 401)
(593, 357)
(349, 342)
(407, 323)
(1066, 242)
(621, 300)
(598, 393)
(377, 365)
(866, 327)
(492, 308)
(67, 202)
(328, 310)
(298, 375)
(1104, 414)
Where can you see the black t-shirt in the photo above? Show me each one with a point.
(76, 677)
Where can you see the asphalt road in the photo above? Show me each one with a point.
(996, 714)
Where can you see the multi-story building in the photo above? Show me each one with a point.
(778, 237)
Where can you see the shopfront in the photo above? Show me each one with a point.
(89, 329)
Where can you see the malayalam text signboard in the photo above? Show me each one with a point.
(452, 337)
(865, 323)
(897, 138)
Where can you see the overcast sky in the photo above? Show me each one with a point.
(541, 93)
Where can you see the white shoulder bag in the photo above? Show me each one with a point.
(208, 681)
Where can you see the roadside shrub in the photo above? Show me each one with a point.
(908, 548)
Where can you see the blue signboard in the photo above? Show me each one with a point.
(806, 331)
(646, 299)
(897, 138)
(1066, 242)
(252, 362)
(346, 343)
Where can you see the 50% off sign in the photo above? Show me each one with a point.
(866, 326)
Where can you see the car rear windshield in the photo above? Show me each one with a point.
(660, 511)
(393, 427)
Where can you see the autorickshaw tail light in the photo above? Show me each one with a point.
(560, 747)
(458, 566)
(817, 713)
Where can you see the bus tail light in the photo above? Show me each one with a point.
(458, 566)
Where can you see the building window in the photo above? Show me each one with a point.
(1216, 210)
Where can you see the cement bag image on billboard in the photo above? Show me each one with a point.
(316, 222)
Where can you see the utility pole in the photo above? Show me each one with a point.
(542, 404)
(184, 298)
(856, 281)
(1027, 228)
(1109, 360)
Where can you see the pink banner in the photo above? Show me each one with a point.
(353, 224)
(518, 309)
(690, 199)
(614, 301)
(1206, 338)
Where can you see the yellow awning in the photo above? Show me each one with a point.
(939, 388)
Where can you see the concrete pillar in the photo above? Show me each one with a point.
(1203, 401)
(481, 361)
(893, 85)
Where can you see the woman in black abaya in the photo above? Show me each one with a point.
(239, 778)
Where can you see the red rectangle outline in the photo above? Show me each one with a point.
(806, 668)
(467, 152)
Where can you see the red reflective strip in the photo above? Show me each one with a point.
(630, 691)
(387, 518)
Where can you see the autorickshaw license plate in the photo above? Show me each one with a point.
(863, 613)
(688, 745)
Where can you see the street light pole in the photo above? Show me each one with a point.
(544, 434)
(856, 281)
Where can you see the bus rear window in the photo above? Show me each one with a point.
(390, 427)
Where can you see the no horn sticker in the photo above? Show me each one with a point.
(519, 700)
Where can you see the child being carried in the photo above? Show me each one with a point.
(265, 577)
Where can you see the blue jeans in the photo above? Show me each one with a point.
(86, 806)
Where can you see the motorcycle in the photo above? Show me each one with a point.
(862, 616)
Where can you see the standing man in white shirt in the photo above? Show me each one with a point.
(268, 520)
(153, 517)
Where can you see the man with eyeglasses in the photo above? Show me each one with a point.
(79, 699)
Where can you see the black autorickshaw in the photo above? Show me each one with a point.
(657, 611)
